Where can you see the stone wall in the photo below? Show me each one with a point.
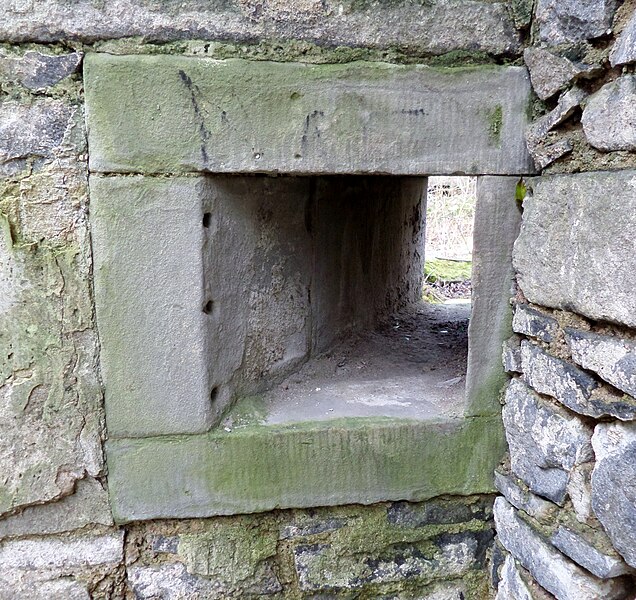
(566, 519)
(57, 535)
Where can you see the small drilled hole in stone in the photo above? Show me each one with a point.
(209, 307)
(207, 219)
(214, 394)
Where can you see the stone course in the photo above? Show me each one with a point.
(546, 442)
(553, 571)
(550, 73)
(609, 118)
(533, 323)
(562, 256)
(516, 583)
(575, 348)
(557, 378)
(612, 484)
(37, 71)
(624, 51)
(543, 149)
(563, 21)
(437, 27)
(434, 550)
(614, 359)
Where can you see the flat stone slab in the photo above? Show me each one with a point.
(576, 247)
(546, 442)
(257, 469)
(614, 485)
(496, 226)
(174, 114)
(147, 239)
(551, 569)
(430, 27)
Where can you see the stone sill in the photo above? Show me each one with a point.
(261, 468)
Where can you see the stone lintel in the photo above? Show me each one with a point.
(176, 114)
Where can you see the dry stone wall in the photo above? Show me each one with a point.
(565, 520)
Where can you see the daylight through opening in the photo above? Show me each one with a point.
(340, 319)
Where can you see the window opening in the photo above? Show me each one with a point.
(346, 327)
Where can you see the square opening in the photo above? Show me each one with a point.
(227, 298)
(314, 298)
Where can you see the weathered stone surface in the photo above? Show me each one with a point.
(37, 71)
(614, 485)
(61, 556)
(164, 544)
(566, 106)
(236, 556)
(543, 150)
(529, 321)
(521, 12)
(233, 555)
(511, 355)
(33, 132)
(172, 581)
(152, 385)
(562, 21)
(88, 504)
(311, 527)
(496, 226)
(613, 358)
(439, 512)
(358, 117)
(552, 571)
(624, 50)
(580, 492)
(15, 586)
(64, 567)
(319, 567)
(601, 563)
(559, 379)
(513, 587)
(438, 27)
(609, 118)
(256, 469)
(550, 72)
(545, 441)
(576, 250)
(522, 499)
(50, 399)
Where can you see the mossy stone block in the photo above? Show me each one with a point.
(262, 468)
(169, 114)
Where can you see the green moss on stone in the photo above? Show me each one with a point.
(461, 58)
(296, 51)
(520, 191)
(495, 124)
(261, 468)
(438, 269)
(521, 12)
(230, 552)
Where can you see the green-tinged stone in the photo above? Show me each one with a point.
(260, 468)
(158, 114)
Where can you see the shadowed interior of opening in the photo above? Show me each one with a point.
(321, 310)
